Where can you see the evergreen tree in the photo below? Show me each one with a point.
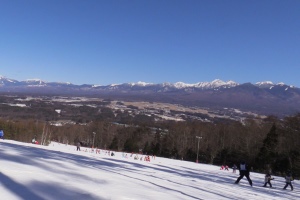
(267, 154)
(114, 144)
(130, 146)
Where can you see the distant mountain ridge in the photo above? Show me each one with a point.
(262, 97)
(179, 85)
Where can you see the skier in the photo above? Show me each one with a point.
(1, 134)
(33, 141)
(234, 168)
(268, 179)
(227, 168)
(288, 181)
(244, 171)
(78, 146)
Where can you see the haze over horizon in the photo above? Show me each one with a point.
(113, 42)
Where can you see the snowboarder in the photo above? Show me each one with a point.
(288, 181)
(244, 171)
(268, 179)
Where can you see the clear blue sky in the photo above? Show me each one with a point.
(155, 41)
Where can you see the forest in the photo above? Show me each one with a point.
(268, 144)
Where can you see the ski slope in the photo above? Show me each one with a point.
(59, 172)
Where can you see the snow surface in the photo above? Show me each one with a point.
(17, 105)
(141, 83)
(59, 172)
(214, 84)
(34, 80)
(264, 83)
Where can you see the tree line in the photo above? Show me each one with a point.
(269, 144)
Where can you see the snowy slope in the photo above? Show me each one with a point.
(58, 171)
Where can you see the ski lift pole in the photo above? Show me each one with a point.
(198, 137)
(93, 139)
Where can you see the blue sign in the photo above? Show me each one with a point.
(1, 133)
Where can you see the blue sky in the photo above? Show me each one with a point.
(117, 41)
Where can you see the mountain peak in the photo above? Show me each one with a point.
(264, 83)
(141, 83)
(214, 84)
(34, 80)
(183, 85)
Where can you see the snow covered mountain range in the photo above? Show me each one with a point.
(6, 82)
(262, 97)
(178, 85)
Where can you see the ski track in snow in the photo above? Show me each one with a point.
(58, 171)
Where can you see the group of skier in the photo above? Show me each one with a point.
(288, 180)
(245, 171)
(224, 167)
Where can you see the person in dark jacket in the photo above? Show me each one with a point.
(244, 171)
(288, 181)
(78, 146)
